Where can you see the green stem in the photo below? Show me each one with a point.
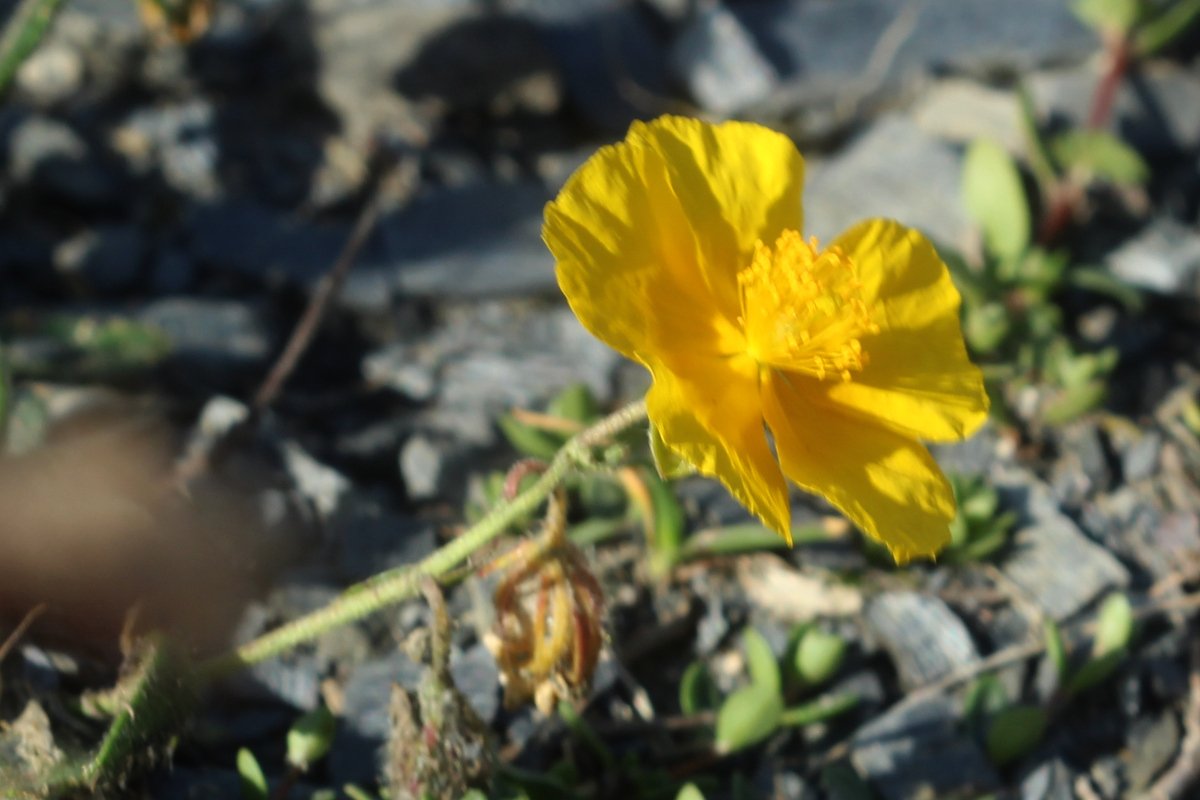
(393, 586)
(821, 709)
(25, 29)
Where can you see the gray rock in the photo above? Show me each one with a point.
(960, 110)
(1082, 466)
(52, 74)
(923, 636)
(354, 757)
(324, 487)
(1053, 780)
(1157, 109)
(1039, 554)
(1164, 258)
(894, 170)
(211, 333)
(1132, 522)
(973, 456)
(434, 466)
(474, 673)
(181, 140)
(916, 749)
(720, 63)
(108, 258)
(49, 156)
(370, 540)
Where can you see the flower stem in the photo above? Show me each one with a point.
(393, 586)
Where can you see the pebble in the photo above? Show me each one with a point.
(923, 636)
(370, 540)
(719, 61)
(1053, 780)
(1036, 565)
(1163, 258)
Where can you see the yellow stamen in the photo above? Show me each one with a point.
(803, 309)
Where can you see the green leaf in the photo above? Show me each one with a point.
(1108, 16)
(310, 738)
(995, 198)
(690, 792)
(528, 440)
(697, 692)
(1103, 282)
(1056, 651)
(1101, 155)
(670, 465)
(980, 504)
(986, 327)
(760, 660)
(747, 716)
(1114, 625)
(1014, 732)
(669, 520)
(250, 776)
(1040, 159)
(819, 656)
(1154, 34)
(595, 530)
(819, 710)
(1074, 402)
(576, 403)
(748, 537)
(1095, 672)
(985, 698)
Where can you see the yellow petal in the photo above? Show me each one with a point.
(917, 379)
(737, 184)
(712, 418)
(886, 483)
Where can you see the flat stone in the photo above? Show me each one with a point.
(1153, 743)
(1163, 258)
(212, 333)
(923, 636)
(370, 540)
(719, 61)
(1037, 565)
(894, 170)
(918, 750)
(364, 723)
(961, 111)
(1053, 780)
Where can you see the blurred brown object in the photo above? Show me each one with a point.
(92, 527)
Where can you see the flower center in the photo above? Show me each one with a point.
(803, 310)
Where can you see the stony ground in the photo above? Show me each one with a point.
(168, 212)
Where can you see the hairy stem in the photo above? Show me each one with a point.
(393, 586)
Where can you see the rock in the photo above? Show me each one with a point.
(474, 241)
(180, 139)
(917, 750)
(719, 61)
(1082, 467)
(877, 176)
(172, 273)
(961, 111)
(973, 456)
(107, 259)
(370, 540)
(474, 673)
(321, 485)
(49, 157)
(1163, 258)
(211, 335)
(1132, 522)
(52, 74)
(435, 466)
(1036, 565)
(1156, 110)
(923, 636)
(366, 695)
(602, 49)
(1053, 780)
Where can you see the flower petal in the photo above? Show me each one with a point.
(736, 183)
(713, 420)
(918, 379)
(886, 483)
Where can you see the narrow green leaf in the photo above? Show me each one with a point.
(310, 738)
(528, 440)
(747, 716)
(1074, 402)
(1114, 625)
(251, 777)
(1095, 672)
(995, 198)
(1103, 282)
(26, 27)
(760, 660)
(697, 692)
(985, 698)
(595, 530)
(1155, 34)
(1056, 651)
(690, 792)
(1108, 16)
(669, 522)
(1100, 155)
(576, 403)
(749, 537)
(819, 710)
(1040, 159)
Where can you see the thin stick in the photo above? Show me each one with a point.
(19, 631)
(403, 173)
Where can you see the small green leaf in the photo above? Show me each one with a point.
(1114, 625)
(528, 440)
(1074, 402)
(1039, 151)
(697, 692)
(250, 776)
(986, 327)
(669, 520)
(748, 537)
(576, 403)
(1056, 651)
(819, 710)
(760, 660)
(1095, 672)
(985, 698)
(980, 504)
(1108, 16)
(1155, 34)
(1101, 155)
(819, 656)
(310, 738)
(995, 198)
(1014, 732)
(690, 792)
(747, 716)
(1103, 282)
(670, 465)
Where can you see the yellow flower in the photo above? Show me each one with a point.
(680, 247)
